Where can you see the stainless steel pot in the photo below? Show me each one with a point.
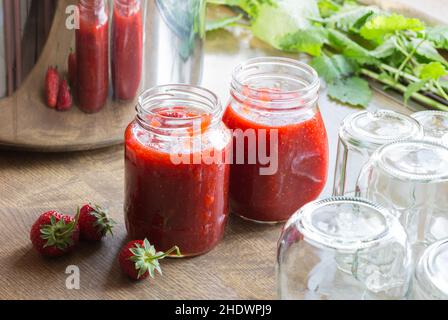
(174, 40)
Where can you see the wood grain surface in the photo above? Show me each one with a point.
(241, 267)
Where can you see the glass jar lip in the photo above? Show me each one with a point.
(177, 95)
(282, 99)
(382, 154)
(352, 133)
(302, 220)
(95, 4)
(420, 116)
(428, 268)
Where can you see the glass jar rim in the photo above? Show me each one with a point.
(281, 99)
(426, 271)
(427, 114)
(350, 133)
(381, 152)
(177, 95)
(303, 223)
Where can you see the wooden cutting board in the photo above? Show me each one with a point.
(26, 123)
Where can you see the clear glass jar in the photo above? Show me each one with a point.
(431, 274)
(343, 248)
(176, 173)
(410, 178)
(360, 135)
(280, 142)
(434, 123)
(92, 55)
(127, 48)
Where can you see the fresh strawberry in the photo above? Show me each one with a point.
(54, 234)
(139, 259)
(72, 68)
(94, 223)
(52, 81)
(65, 97)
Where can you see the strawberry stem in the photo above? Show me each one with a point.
(161, 256)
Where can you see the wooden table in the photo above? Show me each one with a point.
(241, 267)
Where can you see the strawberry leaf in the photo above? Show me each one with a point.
(381, 26)
(432, 71)
(334, 67)
(354, 91)
(309, 40)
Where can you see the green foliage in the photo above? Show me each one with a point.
(349, 39)
(328, 7)
(222, 23)
(438, 36)
(334, 68)
(342, 43)
(413, 88)
(353, 90)
(432, 71)
(381, 26)
(287, 17)
(251, 7)
(310, 41)
(350, 19)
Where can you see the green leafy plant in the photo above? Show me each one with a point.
(350, 42)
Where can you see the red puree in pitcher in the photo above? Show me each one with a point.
(92, 55)
(302, 139)
(176, 204)
(127, 48)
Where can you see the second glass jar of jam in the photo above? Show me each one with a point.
(127, 48)
(176, 173)
(280, 129)
(92, 55)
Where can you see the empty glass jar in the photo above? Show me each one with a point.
(410, 178)
(360, 135)
(434, 123)
(431, 275)
(343, 248)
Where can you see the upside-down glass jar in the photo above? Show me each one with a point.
(410, 179)
(360, 134)
(176, 173)
(431, 274)
(92, 55)
(280, 152)
(434, 123)
(343, 248)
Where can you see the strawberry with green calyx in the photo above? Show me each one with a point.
(94, 223)
(55, 234)
(139, 259)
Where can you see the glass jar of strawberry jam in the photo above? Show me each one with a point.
(92, 55)
(280, 150)
(176, 173)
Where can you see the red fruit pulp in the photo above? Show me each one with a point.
(127, 52)
(92, 57)
(302, 166)
(184, 205)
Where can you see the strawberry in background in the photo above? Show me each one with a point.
(94, 223)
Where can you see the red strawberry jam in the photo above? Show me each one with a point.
(171, 204)
(302, 147)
